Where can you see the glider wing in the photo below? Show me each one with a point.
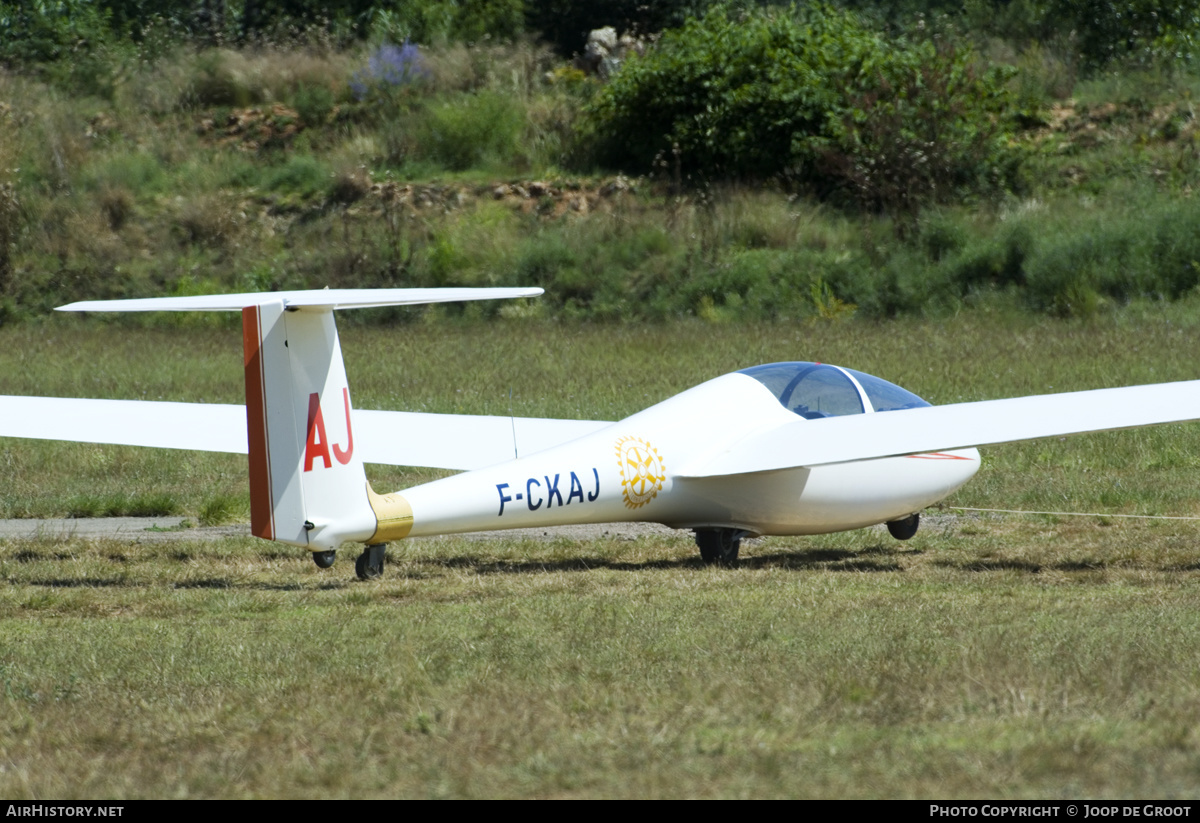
(207, 427)
(444, 441)
(460, 441)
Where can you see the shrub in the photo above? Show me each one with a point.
(473, 130)
(1152, 253)
(314, 104)
(301, 174)
(926, 127)
(811, 97)
(116, 204)
(737, 96)
(208, 220)
(222, 77)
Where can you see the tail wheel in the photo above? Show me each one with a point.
(719, 546)
(324, 559)
(906, 528)
(369, 564)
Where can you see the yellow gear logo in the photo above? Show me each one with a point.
(642, 471)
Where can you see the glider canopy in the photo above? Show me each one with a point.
(815, 390)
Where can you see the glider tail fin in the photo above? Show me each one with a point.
(307, 483)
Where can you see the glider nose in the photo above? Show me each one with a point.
(963, 466)
(944, 472)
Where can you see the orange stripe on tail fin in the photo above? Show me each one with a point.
(262, 522)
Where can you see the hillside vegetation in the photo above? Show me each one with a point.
(754, 161)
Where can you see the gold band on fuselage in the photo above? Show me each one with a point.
(393, 516)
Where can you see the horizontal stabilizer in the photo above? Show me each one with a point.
(311, 300)
(944, 428)
(442, 441)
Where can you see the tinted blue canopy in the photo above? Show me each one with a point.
(815, 390)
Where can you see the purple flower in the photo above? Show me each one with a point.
(388, 67)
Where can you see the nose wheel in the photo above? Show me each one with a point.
(369, 564)
(719, 547)
(905, 528)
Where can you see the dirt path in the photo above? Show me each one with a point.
(168, 529)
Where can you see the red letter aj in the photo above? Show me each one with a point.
(318, 441)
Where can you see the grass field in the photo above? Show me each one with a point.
(989, 656)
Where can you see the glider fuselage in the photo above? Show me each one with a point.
(640, 469)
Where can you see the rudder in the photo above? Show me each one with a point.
(307, 484)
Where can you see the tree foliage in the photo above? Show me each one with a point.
(1092, 33)
(1095, 34)
(565, 23)
(39, 31)
(1147, 31)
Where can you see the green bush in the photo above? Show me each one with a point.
(1151, 253)
(301, 174)
(990, 263)
(811, 97)
(927, 127)
(472, 130)
(735, 96)
(314, 104)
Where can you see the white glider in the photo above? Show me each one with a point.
(783, 448)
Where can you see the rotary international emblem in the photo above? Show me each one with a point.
(642, 471)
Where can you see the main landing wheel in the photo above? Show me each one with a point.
(324, 559)
(369, 564)
(906, 528)
(719, 546)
